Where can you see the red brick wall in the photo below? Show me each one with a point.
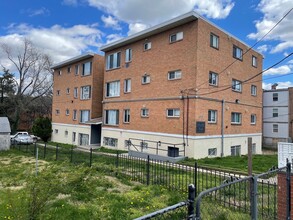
(282, 196)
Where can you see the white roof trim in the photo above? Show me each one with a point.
(72, 60)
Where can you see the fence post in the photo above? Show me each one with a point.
(91, 156)
(191, 197)
(45, 149)
(117, 159)
(253, 197)
(288, 180)
(71, 154)
(195, 177)
(57, 152)
(148, 170)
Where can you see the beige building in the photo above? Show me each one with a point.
(77, 100)
(184, 82)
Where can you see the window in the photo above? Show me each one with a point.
(144, 112)
(57, 111)
(58, 92)
(112, 142)
(212, 151)
(213, 78)
(145, 79)
(237, 52)
(73, 137)
(235, 118)
(253, 119)
(235, 150)
(236, 85)
(127, 85)
(84, 116)
(128, 55)
(68, 91)
(74, 116)
(76, 69)
(67, 112)
(112, 117)
(113, 61)
(69, 69)
(113, 89)
(59, 72)
(56, 131)
(173, 112)
(212, 116)
(253, 148)
(275, 128)
(174, 75)
(214, 41)
(253, 90)
(275, 97)
(254, 61)
(85, 92)
(86, 68)
(66, 133)
(275, 112)
(75, 93)
(147, 46)
(176, 37)
(83, 139)
(126, 116)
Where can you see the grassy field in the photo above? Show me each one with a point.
(62, 190)
(260, 163)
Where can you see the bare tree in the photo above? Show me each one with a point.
(33, 77)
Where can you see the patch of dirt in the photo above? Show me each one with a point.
(5, 161)
(119, 186)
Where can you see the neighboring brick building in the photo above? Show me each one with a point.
(77, 100)
(171, 83)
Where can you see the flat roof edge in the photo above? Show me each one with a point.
(72, 60)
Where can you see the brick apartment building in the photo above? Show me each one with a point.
(77, 100)
(174, 83)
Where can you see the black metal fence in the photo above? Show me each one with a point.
(175, 177)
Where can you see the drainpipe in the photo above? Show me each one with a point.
(222, 128)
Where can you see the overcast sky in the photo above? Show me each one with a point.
(69, 28)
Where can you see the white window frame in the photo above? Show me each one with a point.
(127, 85)
(56, 131)
(58, 92)
(68, 91)
(253, 119)
(67, 112)
(111, 142)
(275, 112)
(74, 115)
(145, 79)
(237, 53)
(236, 150)
(253, 90)
(86, 68)
(173, 75)
(212, 116)
(128, 55)
(213, 78)
(236, 118)
(212, 152)
(113, 89)
(113, 61)
(114, 113)
(144, 112)
(57, 111)
(214, 41)
(173, 112)
(84, 116)
(66, 133)
(75, 92)
(275, 97)
(126, 116)
(236, 85)
(76, 70)
(275, 128)
(59, 72)
(147, 46)
(69, 69)
(85, 92)
(254, 61)
(176, 37)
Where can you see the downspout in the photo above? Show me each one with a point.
(222, 128)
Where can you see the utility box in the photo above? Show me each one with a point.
(173, 151)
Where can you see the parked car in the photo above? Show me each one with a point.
(22, 139)
(12, 137)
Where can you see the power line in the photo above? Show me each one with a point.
(198, 87)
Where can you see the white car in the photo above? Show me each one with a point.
(22, 138)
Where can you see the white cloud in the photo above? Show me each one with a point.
(111, 22)
(262, 48)
(285, 69)
(273, 11)
(37, 12)
(136, 27)
(113, 37)
(281, 85)
(70, 2)
(152, 12)
(58, 42)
